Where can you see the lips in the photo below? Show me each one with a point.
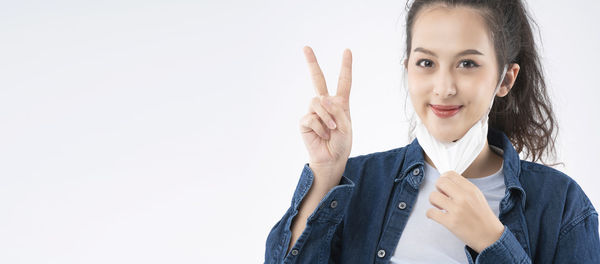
(445, 111)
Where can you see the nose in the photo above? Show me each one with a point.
(444, 85)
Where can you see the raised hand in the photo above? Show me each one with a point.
(327, 129)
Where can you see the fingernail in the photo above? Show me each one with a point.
(331, 124)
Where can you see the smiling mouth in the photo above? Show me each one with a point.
(445, 111)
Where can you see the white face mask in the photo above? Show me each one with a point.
(458, 155)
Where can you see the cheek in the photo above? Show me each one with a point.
(473, 90)
(418, 86)
(419, 102)
(477, 98)
(418, 95)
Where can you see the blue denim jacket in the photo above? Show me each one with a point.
(547, 216)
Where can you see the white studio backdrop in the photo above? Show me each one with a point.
(167, 131)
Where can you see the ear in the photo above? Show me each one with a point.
(509, 79)
(405, 64)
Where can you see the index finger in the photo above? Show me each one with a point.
(315, 72)
(345, 79)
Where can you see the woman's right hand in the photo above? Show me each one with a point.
(326, 129)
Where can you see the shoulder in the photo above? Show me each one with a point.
(535, 173)
(554, 191)
(379, 155)
(379, 165)
(384, 158)
(539, 177)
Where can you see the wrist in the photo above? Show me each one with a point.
(327, 174)
(491, 239)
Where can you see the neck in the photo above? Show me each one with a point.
(486, 163)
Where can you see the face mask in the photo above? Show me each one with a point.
(457, 155)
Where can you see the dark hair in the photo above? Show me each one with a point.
(525, 114)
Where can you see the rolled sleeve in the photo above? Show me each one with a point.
(319, 227)
(506, 249)
(340, 194)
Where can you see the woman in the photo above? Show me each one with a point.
(459, 192)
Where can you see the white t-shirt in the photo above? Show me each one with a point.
(426, 241)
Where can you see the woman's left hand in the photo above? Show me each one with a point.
(468, 215)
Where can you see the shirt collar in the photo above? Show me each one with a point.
(414, 159)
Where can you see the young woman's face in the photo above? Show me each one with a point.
(452, 64)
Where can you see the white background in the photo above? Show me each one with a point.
(167, 131)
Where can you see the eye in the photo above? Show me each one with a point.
(468, 64)
(427, 63)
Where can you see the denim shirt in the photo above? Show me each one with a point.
(547, 216)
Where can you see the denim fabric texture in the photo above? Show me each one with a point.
(547, 216)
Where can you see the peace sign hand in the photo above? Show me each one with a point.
(326, 129)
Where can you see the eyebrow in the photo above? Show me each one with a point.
(462, 53)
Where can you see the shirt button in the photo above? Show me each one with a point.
(381, 253)
(416, 171)
(402, 205)
(334, 204)
(294, 252)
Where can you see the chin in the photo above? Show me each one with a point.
(446, 134)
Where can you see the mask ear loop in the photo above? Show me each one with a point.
(495, 91)
(498, 86)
